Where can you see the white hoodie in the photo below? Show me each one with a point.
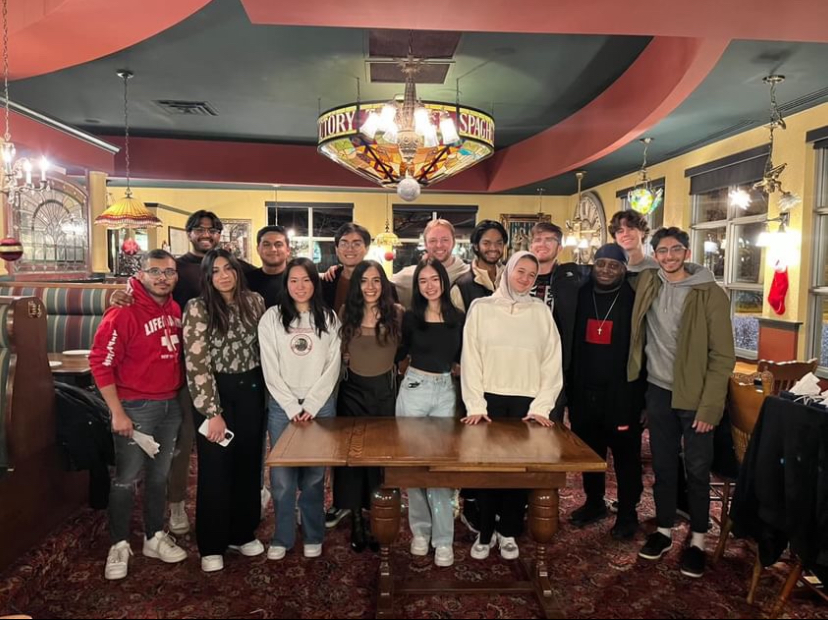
(511, 347)
(299, 364)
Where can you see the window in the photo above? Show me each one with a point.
(53, 227)
(818, 325)
(311, 228)
(410, 223)
(724, 240)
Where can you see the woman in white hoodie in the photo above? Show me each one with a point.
(300, 348)
(510, 368)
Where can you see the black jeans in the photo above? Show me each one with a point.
(228, 503)
(592, 421)
(668, 427)
(509, 504)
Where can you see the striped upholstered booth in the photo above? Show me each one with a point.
(73, 311)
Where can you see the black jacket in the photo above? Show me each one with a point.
(782, 493)
(566, 280)
(602, 369)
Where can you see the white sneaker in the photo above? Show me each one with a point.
(265, 501)
(117, 561)
(419, 545)
(275, 552)
(251, 549)
(212, 563)
(444, 555)
(162, 547)
(313, 551)
(508, 548)
(179, 523)
(480, 551)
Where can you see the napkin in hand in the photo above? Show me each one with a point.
(146, 442)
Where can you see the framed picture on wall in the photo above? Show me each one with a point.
(235, 238)
(179, 242)
(519, 226)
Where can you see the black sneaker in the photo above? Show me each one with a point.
(334, 515)
(657, 545)
(624, 528)
(692, 562)
(588, 513)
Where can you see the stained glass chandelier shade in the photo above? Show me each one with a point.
(386, 142)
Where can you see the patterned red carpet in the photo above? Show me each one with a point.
(594, 577)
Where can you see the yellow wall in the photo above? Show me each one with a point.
(369, 207)
(799, 177)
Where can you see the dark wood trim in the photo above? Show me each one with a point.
(790, 326)
(656, 183)
(293, 204)
(820, 133)
(730, 160)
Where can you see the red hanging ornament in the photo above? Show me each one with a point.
(778, 289)
(10, 249)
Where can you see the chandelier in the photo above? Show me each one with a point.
(771, 181)
(406, 143)
(128, 212)
(643, 198)
(19, 175)
(581, 232)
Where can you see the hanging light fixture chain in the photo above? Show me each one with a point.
(126, 75)
(7, 134)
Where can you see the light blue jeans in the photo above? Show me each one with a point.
(285, 481)
(430, 511)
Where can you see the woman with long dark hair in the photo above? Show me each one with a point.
(432, 338)
(301, 358)
(225, 379)
(511, 368)
(371, 333)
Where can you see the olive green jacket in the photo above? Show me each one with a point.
(704, 350)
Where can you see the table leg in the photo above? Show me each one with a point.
(543, 525)
(385, 525)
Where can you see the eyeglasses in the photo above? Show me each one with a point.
(155, 272)
(351, 245)
(200, 230)
(674, 250)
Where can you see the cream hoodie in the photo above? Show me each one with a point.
(510, 348)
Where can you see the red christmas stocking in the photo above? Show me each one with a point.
(778, 290)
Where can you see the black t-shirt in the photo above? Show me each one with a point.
(433, 347)
(267, 285)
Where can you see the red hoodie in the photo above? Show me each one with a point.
(138, 348)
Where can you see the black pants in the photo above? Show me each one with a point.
(592, 421)
(509, 504)
(668, 427)
(228, 503)
(360, 397)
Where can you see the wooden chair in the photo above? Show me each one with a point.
(786, 374)
(744, 403)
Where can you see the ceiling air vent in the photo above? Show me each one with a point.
(186, 108)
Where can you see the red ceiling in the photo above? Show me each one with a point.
(794, 20)
(48, 35)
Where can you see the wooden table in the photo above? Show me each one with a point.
(440, 453)
(72, 367)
